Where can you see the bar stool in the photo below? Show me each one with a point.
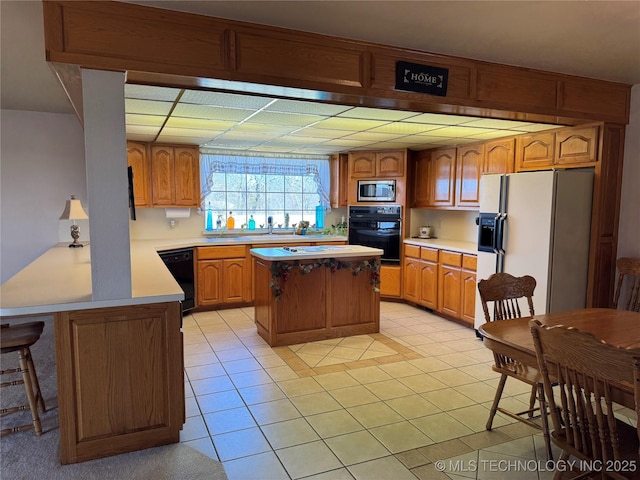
(19, 338)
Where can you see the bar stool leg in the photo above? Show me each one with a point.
(28, 385)
(35, 383)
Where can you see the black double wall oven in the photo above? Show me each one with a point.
(377, 227)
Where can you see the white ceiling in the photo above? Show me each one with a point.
(596, 39)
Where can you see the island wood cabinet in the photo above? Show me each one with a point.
(565, 148)
(138, 160)
(120, 379)
(175, 176)
(377, 164)
(339, 170)
(223, 275)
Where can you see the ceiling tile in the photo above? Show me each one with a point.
(456, 131)
(318, 132)
(493, 123)
(182, 140)
(343, 142)
(536, 127)
(371, 136)
(190, 132)
(278, 118)
(440, 119)
(337, 123)
(142, 129)
(145, 92)
(307, 108)
(140, 137)
(265, 129)
(149, 120)
(221, 99)
(147, 107)
(199, 123)
(211, 113)
(295, 141)
(402, 128)
(377, 114)
(493, 134)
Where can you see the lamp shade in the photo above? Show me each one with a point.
(73, 210)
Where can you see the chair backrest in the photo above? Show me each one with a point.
(505, 292)
(584, 368)
(629, 270)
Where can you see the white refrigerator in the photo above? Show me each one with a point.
(538, 224)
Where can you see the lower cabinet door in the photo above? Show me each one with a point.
(429, 284)
(234, 286)
(449, 281)
(209, 286)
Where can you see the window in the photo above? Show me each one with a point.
(263, 186)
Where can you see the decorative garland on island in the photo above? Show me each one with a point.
(280, 271)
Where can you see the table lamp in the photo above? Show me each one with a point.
(73, 211)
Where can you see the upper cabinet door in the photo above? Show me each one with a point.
(468, 164)
(578, 145)
(162, 175)
(421, 166)
(390, 164)
(442, 174)
(535, 152)
(362, 164)
(187, 178)
(499, 156)
(138, 159)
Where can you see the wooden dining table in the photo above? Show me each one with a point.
(619, 328)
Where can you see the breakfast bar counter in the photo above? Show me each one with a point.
(305, 294)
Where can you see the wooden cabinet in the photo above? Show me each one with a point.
(456, 285)
(222, 276)
(499, 156)
(120, 379)
(468, 166)
(175, 177)
(429, 277)
(420, 188)
(390, 285)
(536, 151)
(421, 275)
(138, 159)
(576, 146)
(377, 164)
(339, 169)
(442, 177)
(468, 289)
(568, 147)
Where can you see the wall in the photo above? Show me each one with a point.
(41, 165)
(629, 230)
(446, 224)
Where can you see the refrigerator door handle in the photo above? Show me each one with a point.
(496, 233)
(499, 243)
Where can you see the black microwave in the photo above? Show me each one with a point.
(376, 190)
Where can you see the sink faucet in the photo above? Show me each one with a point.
(270, 224)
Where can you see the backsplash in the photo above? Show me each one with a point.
(446, 224)
(151, 223)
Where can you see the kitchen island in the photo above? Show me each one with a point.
(305, 294)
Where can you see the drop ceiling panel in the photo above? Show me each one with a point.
(199, 123)
(211, 113)
(265, 129)
(306, 108)
(318, 132)
(441, 119)
(147, 107)
(142, 130)
(182, 140)
(278, 118)
(149, 120)
(337, 123)
(371, 136)
(377, 114)
(457, 131)
(151, 93)
(348, 143)
(218, 99)
(191, 132)
(402, 128)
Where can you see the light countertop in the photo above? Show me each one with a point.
(60, 279)
(311, 253)
(443, 244)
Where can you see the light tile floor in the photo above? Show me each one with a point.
(403, 404)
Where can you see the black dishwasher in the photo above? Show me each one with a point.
(180, 264)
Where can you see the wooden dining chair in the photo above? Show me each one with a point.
(582, 413)
(504, 296)
(628, 284)
(18, 338)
